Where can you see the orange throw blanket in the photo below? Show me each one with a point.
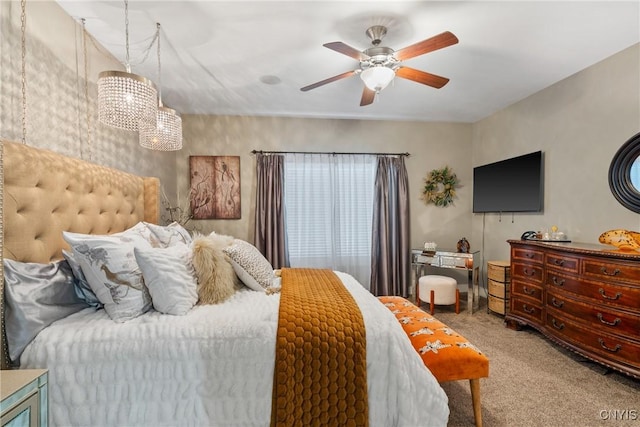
(320, 373)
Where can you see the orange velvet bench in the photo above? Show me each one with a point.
(448, 355)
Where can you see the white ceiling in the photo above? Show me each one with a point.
(216, 56)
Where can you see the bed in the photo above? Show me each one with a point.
(214, 365)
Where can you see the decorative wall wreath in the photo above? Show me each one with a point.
(440, 187)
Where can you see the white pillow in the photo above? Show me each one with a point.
(169, 235)
(250, 265)
(169, 276)
(109, 265)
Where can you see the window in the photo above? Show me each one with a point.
(328, 202)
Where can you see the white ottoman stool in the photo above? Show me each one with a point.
(441, 290)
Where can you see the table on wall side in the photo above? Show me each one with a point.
(470, 262)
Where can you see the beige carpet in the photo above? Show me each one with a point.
(533, 382)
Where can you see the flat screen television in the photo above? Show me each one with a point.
(511, 185)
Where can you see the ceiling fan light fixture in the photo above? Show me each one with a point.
(377, 78)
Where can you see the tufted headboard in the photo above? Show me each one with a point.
(46, 193)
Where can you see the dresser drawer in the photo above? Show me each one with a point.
(525, 308)
(595, 342)
(530, 272)
(526, 289)
(612, 272)
(600, 317)
(562, 262)
(527, 254)
(621, 296)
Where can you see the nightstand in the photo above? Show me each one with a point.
(24, 398)
(499, 275)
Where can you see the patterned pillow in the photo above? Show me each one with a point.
(169, 235)
(250, 265)
(81, 286)
(109, 265)
(169, 276)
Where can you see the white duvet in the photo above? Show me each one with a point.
(212, 367)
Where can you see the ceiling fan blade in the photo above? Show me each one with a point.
(422, 77)
(346, 50)
(429, 45)
(329, 80)
(368, 96)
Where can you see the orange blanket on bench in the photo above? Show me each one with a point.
(320, 373)
(447, 354)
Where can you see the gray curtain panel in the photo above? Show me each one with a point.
(270, 237)
(391, 247)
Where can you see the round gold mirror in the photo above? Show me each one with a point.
(624, 174)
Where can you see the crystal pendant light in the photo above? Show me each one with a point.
(125, 99)
(165, 132)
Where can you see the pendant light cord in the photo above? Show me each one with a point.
(159, 66)
(23, 41)
(86, 87)
(126, 35)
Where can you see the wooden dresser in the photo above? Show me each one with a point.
(584, 297)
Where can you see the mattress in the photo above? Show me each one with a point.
(213, 366)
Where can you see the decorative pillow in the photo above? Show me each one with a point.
(36, 296)
(217, 279)
(82, 288)
(109, 265)
(168, 274)
(169, 235)
(250, 265)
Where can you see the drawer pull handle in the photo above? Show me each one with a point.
(555, 325)
(557, 282)
(606, 273)
(559, 262)
(557, 303)
(617, 296)
(529, 273)
(615, 322)
(528, 255)
(612, 350)
(528, 309)
(528, 291)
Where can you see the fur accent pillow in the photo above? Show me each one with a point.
(217, 280)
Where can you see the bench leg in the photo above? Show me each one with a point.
(457, 301)
(475, 398)
(431, 302)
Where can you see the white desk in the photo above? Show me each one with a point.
(444, 259)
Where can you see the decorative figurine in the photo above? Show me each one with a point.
(463, 246)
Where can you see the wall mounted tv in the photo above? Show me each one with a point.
(511, 185)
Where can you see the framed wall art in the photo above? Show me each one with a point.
(214, 191)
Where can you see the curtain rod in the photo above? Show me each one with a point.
(325, 152)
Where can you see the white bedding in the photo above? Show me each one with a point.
(212, 367)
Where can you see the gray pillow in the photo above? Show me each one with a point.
(81, 286)
(36, 295)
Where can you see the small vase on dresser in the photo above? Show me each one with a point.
(584, 297)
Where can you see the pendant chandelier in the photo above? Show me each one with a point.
(165, 132)
(124, 99)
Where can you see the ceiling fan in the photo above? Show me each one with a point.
(379, 64)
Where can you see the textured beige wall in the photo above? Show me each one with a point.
(431, 145)
(579, 124)
(56, 107)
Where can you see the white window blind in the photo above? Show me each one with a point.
(328, 202)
